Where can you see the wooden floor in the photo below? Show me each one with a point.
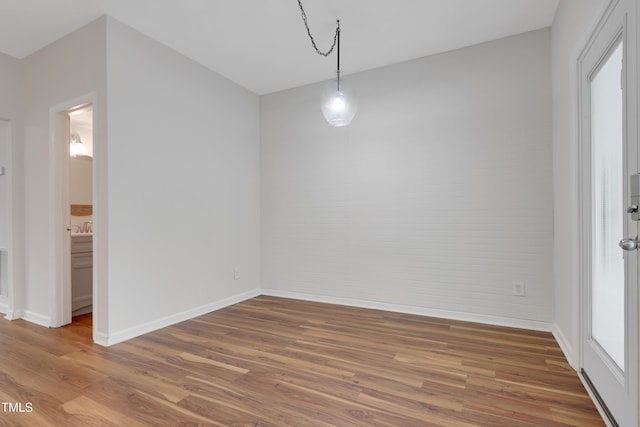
(279, 362)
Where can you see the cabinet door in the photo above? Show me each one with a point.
(81, 280)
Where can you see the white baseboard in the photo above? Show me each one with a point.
(101, 338)
(36, 318)
(565, 346)
(421, 311)
(9, 314)
(81, 301)
(120, 336)
(13, 315)
(85, 309)
(105, 339)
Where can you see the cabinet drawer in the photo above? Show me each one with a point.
(81, 260)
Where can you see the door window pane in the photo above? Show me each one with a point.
(608, 307)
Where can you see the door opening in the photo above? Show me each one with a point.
(80, 184)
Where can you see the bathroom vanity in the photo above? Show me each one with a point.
(82, 273)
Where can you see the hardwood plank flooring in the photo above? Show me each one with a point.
(278, 362)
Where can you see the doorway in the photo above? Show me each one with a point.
(80, 184)
(609, 221)
(73, 201)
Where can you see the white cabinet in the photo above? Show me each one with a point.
(81, 274)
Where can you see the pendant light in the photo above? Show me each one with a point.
(338, 102)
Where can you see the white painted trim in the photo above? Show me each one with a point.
(9, 300)
(4, 307)
(101, 338)
(36, 318)
(4, 274)
(421, 311)
(83, 310)
(81, 302)
(565, 346)
(14, 315)
(120, 336)
(100, 289)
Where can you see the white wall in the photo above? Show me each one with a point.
(183, 186)
(177, 179)
(434, 200)
(446, 164)
(80, 123)
(9, 106)
(572, 25)
(80, 180)
(71, 67)
(9, 87)
(11, 201)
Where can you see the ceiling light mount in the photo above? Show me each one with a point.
(338, 101)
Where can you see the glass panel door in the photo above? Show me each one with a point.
(609, 157)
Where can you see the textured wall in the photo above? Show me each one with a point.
(52, 76)
(183, 185)
(437, 197)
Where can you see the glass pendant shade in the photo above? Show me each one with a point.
(339, 104)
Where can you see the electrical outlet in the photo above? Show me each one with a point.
(519, 289)
(236, 274)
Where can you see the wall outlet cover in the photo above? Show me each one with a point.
(519, 289)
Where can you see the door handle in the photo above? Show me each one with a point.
(629, 244)
(632, 209)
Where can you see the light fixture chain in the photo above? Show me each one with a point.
(313, 42)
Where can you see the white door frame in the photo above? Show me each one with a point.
(630, 72)
(9, 302)
(59, 216)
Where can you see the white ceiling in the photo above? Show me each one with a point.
(262, 44)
